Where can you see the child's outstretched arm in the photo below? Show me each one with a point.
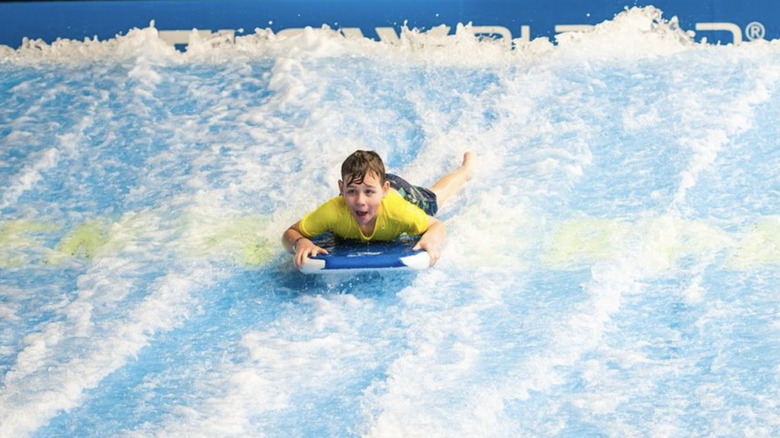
(300, 245)
(432, 240)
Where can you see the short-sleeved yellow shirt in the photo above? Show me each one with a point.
(396, 216)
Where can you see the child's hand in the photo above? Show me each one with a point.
(432, 240)
(305, 248)
(430, 246)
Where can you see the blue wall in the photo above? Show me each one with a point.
(49, 20)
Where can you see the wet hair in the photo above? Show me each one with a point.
(358, 164)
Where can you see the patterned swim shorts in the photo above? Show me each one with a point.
(419, 196)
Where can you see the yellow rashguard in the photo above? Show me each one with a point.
(396, 216)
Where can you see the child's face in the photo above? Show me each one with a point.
(363, 199)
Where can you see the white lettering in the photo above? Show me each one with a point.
(387, 35)
(181, 36)
(525, 32)
(736, 32)
(348, 32)
(352, 32)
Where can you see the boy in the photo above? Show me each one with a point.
(373, 205)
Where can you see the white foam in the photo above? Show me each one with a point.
(720, 129)
(636, 32)
(289, 83)
(300, 352)
(637, 118)
(137, 43)
(29, 176)
(99, 330)
(41, 384)
(633, 34)
(428, 391)
(422, 375)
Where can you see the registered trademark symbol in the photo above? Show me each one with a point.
(755, 31)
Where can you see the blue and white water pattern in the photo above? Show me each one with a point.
(612, 269)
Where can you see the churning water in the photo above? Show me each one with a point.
(612, 270)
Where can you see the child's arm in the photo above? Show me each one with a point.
(300, 245)
(432, 240)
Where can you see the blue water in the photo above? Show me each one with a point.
(611, 270)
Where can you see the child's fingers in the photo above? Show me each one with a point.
(434, 254)
(433, 250)
(299, 258)
(305, 253)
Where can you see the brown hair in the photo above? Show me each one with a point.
(359, 163)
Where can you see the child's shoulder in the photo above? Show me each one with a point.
(394, 199)
(335, 203)
(397, 206)
(334, 206)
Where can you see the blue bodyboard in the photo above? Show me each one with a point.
(352, 256)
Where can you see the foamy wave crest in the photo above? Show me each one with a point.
(137, 43)
(635, 32)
